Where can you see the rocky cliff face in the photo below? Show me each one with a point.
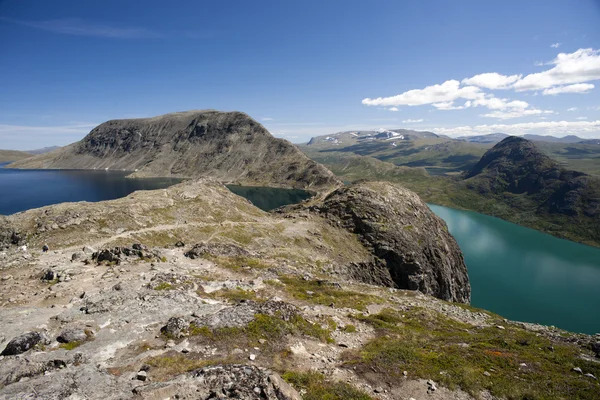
(404, 236)
(229, 146)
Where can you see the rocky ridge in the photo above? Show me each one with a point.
(205, 296)
(228, 146)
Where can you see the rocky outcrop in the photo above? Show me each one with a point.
(228, 146)
(24, 342)
(404, 236)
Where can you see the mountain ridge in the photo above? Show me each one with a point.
(229, 146)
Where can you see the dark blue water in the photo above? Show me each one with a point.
(526, 275)
(22, 190)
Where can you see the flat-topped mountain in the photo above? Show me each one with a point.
(228, 146)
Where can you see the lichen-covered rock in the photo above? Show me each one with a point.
(175, 327)
(24, 342)
(233, 381)
(404, 235)
(216, 249)
(243, 313)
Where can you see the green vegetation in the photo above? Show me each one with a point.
(273, 328)
(325, 293)
(318, 388)
(71, 345)
(511, 363)
(164, 286)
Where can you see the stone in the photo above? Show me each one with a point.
(77, 256)
(176, 327)
(252, 357)
(72, 335)
(49, 275)
(141, 375)
(431, 387)
(590, 376)
(179, 244)
(24, 342)
(578, 370)
(500, 327)
(486, 373)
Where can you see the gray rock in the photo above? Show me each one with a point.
(26, 341)
(411, 246)
(49, 275)
(590, 376)
(216, 249)
(72, 335)
(176, 327)
(578, 370)
(141, 376)
(77, 256)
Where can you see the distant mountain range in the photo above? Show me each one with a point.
(498, 137)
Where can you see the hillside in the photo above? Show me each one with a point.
(192, 293)
(229, 146)
(12, 155)
(514, 181)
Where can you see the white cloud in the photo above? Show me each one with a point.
(446, 92)
(267, 119)
(572, 109)
(585, 129)
(447, 105)
(412, 121)
(578, 67)
(492, 80)
(575, 88)
(393, 109)
(79, 27)
(515, 113)
(555, 45)
(581, 118)
(495, 103)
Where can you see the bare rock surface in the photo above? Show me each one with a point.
(405, 236)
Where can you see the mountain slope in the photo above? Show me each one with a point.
(12, 155)
(229, 146)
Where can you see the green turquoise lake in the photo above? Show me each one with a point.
(526, 275)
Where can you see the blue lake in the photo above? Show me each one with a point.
(526, 275)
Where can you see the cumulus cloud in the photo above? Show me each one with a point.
(555, 45)
(515, 113)
(393, 109)
(585, 129)
(581, 66)
(446, 92)
(569, 73)
(492, 80)
(412, 121)
(575, 88)
(572, 109)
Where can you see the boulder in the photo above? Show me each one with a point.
(24, 342)
(72, 335)
(411, 246)
(176, 327)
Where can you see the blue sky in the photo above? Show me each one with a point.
(302, 68)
